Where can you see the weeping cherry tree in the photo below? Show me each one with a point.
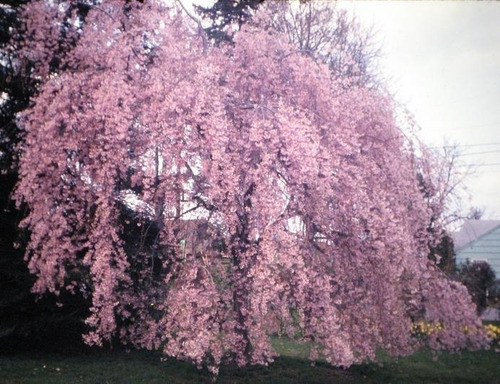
(208, 198)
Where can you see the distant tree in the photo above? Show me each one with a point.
(449, 192)
(226, 16)
(442, 177)
(478, 277)
(272, 199)
(443, 254)
(319, 29)
(21, 75)
(14, 94)
(330, 35)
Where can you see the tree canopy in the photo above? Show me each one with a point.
(206, 198)
(328, 34)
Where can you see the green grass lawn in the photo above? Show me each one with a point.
(120, 367)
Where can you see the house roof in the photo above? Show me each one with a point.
(472, 230)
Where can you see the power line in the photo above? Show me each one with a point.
(487, 165)
(480, 153)
(466, 145)
(473, 145)
(479, 165)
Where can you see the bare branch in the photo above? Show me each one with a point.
(201, 31)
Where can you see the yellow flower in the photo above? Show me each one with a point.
(492, 331)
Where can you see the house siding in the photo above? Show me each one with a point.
(486, 247)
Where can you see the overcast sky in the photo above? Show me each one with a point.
(442, 60)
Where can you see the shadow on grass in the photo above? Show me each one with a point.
(61, 361)
(122, 367)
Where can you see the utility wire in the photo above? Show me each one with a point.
(479, 165)
(480, 153)
(465, 145)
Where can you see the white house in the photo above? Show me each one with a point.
(479, 240)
